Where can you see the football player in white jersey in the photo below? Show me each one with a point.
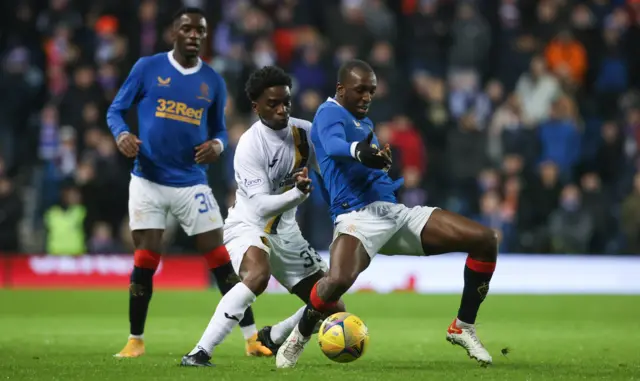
(271, 166)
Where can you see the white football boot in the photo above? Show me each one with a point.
(464, 335)
(291, 350)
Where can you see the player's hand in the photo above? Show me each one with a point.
(303, 182)
(208, 152)
(370, 156)
(128, 144)
(386, 153)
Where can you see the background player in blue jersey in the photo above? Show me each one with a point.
(368, 219)
(182, 128)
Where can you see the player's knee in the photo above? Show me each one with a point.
(342, 282)
(150, 240)
(487, 240)
(257, 280)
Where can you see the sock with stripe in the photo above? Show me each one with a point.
(477, 276)
(141, 289)
(314, 311)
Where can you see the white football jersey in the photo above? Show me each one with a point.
(264, 163)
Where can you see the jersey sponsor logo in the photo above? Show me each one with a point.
(252, 183)
(179, 111)
(164, 82)
(204, 93)
(273, 162)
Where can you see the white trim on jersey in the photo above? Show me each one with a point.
(180, 68)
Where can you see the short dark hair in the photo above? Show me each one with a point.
(347, 67)
(187, 10)
(268, 76)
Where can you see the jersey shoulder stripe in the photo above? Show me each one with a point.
(301, 146)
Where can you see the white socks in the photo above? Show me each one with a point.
(281, 331)
(249, 331)
(228, 314)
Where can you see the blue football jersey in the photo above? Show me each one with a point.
(349, 184)
(178, 109)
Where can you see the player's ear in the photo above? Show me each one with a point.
(254, 107)
(340, 90)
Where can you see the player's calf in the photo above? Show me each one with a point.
(140, 291)
(478, 271)
(448, 232)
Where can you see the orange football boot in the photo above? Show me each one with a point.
(255, 347)
(134, 348)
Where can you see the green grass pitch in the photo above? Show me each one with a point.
(64, 335)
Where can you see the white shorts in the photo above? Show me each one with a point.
(194, 207)
(291, 257)
(386, 228)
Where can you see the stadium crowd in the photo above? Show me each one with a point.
(521, 114)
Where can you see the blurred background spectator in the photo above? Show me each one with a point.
(523, 115)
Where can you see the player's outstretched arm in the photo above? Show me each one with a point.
(128, 95)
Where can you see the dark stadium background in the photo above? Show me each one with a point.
(521, 114)
(551, 165)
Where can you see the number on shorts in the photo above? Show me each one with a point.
(310, 257)
(206, 202)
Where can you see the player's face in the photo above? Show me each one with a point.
(190, 32)
(274, 106)
(357, 92)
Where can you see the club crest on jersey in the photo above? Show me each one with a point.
(164, 82)
(204, 92)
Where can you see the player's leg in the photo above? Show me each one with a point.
(147, 217)
(273, 336)
(226, 278)
(255, 274)
(447, 232)
(348, 259)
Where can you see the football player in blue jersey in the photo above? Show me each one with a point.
(182, 129)
(369, 220)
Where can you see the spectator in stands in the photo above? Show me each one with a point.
(491, 215)
(412, 194)
(102, 240)
(537, 89)
(630, 221)
(65, 224)
(501, 97)
(10, 215)
(560, 138)
(596, 204)
(567, 58)
(570, 226)
(467, 156)
(541, 193)
(471, 38)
